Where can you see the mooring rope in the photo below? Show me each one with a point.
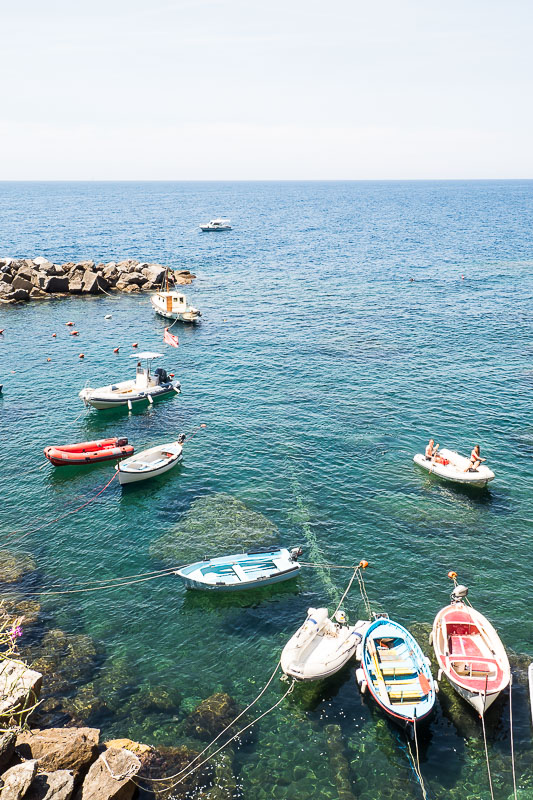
(511, 732)
(486, 749)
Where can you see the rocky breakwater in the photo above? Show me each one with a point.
(38, 279)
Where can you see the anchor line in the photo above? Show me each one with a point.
(486, 748)
(185, 772)
(511, 733)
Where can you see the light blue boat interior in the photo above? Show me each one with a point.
(240, 568)
(401, 661)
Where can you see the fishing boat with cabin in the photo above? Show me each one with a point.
(88, 452)
(469, 651)
(145, 387)
(395, 672)
(173, 305)
(250, 570)
(150, 463)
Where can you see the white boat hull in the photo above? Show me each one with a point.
(312, 654)
(184, 314)
(149, 463)
(105, 397)
(454, 471)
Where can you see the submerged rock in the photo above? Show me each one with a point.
(169, 761)
(340, 769)
(212, 715)
(214, 524)
(15, 566)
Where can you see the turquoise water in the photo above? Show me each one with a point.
(319, 369)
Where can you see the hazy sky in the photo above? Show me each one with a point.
(284, 89)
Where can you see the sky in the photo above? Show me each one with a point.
(277, 90)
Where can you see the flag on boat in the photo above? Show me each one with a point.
(170, 339)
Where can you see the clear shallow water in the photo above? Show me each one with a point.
(319, 369)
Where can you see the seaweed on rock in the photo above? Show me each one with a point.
(214, 525)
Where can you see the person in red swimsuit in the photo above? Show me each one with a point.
(475, 459)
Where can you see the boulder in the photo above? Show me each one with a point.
(60, 748)
(135, 747)
(15, 566)
(5, 288)
(110, 272)
(154, 273)
(109, 778)
(212, 715)
(6, 277)
(5, 262)
(18, 296)
(18, 779)
(41, 261)
(68, 267)
(55, 283)
(103, 283)
(7, 748)
(136, 277)
(84, 265)
(19, 688)
(38, 294)
(90, 282)
(26, 273)
(75, 284)
(57, 785)
(22, 283)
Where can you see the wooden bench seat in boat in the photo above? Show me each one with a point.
(239, 572)
(404, 694)
(396, 668)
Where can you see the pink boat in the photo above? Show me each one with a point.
(470, 653)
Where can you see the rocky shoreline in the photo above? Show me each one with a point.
(27, 279)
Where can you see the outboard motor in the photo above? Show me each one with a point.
(161, 375)
(122, 442)
(295, 553)
(459, 593)
(181, 438)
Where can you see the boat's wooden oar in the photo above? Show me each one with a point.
(380, 682)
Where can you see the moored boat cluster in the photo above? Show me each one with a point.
(39, 279)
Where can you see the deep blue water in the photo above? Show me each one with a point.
(319, 369)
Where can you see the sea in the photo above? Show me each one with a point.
(343, 325)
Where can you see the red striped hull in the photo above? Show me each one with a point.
(89, 452)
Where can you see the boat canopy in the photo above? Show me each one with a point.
(147, 356)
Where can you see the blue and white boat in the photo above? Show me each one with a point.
(396, 672)
(242, 571)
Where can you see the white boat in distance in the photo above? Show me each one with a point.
(174, 305)
(470, 653)
(150, 463)
(320, 647)
(219, 224)
(145, 387)
(249, 570)
(454, 470)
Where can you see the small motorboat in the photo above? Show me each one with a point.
(88, 452)
(396, 672)
(450, 466)
(150, 463)
(219, 224)
(249, 570)
(174, 305)
(469, 652)
(321, 646)
(144, 388)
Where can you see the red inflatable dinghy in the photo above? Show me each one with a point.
(88, 452)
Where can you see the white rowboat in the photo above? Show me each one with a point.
(455, 470)
(249, 570)
(150, 463)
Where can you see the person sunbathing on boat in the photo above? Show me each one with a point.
(475, 459)
(431, 450)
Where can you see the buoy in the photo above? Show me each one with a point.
(74, 333)
(363, 564)
(116, 350)
(171, 374)
(54, 335)
(48, 359)
(135, 344)
(452, 575)
(82, 355)
(69, 323)
(203, 425)
(107, 316)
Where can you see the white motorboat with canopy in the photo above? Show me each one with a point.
(451, 466)
(145, 387)
(150, 463)
(321, 646)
